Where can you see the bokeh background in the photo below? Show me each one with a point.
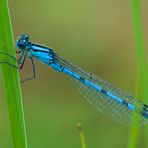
(98, 36)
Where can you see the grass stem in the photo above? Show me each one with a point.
(142, 79)
(11, 80)
(82, 137)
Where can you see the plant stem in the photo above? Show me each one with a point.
(141, 65)
(11, 79)
(82, 137)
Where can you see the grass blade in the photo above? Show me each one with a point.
(11, 79)
(141, 62)
(82, 137)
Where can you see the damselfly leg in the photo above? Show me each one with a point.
(20, 61)
(22, 57)
(17, 60)
(33, 71)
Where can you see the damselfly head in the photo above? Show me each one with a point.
(22, 41)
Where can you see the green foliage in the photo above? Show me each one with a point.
(11, 79)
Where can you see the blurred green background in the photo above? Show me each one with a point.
(98, 36)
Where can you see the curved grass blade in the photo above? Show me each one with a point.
(11, 79)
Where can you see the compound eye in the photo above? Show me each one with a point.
(26, 37)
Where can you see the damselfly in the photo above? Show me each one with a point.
(106, 98)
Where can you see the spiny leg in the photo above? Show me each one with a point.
(21, 56)
(33, 71)
(33, 67)
(22, 63)
(18, 61)
(7, 63)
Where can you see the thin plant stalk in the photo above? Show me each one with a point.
(82, 137)
(11, 80)
(142, 83)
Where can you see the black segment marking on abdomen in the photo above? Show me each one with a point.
(125, 103)
(37, 50)
(82, 79)
(62, 68)
(145, 105)
(103, 91)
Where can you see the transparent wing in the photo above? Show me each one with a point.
(100, 101)
(109, 106)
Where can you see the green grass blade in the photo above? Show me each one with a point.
(142, 85)
(82, 136)
(11, 79)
